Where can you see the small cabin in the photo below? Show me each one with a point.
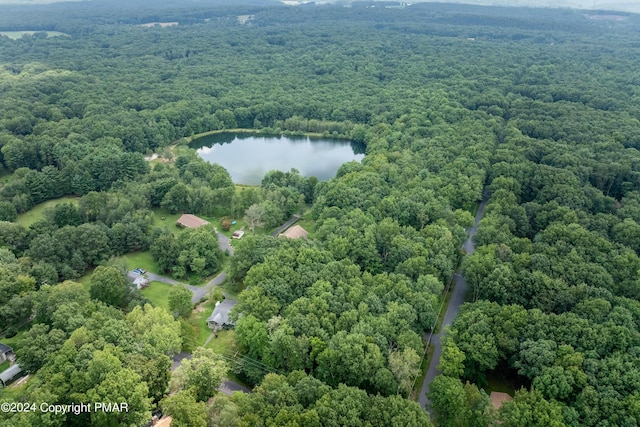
(295, 232)
(191, 221)
(220, 315)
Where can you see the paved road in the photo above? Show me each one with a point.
(225, 244)
(286, 225)
(198, 292)
(457, 298)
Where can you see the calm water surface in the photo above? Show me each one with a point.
(248, 156)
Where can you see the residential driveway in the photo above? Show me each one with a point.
(457, 299)
(198, 292)
(225, 243)
(286, 225)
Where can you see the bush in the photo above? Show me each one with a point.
(225, 224)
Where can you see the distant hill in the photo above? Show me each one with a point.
(618, 5)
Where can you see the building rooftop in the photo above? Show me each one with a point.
(191, 221)
(10, 373)
(220, 314)
(295, 232)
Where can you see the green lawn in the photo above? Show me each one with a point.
(169, 220)
(158, 294)
(4, 365)
(199, 320)
(13, 341)
(86, 280)
(225, 342)
(141, 259)
(37, 212)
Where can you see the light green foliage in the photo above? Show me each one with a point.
(185, 410)
(180, 304)
(192, 251)
(254, 215)
(304, 401)
(202, 374)
(530, 409)
(451, 359)
(155, 330)
(405, 366)
(455, 404)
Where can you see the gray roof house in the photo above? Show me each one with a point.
(6, 353)
(220, 315)
(9, 374)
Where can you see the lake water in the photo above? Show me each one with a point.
(248, 156)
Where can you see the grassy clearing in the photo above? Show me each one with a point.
(86, 280)
(13, 341)
(225, 342)
(158, 294)
(141, 259)
(4, 365)
(199, 320)
(12, 392)
(37, 212)
(15, 35)
(169, 220)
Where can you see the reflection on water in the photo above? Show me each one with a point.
(248, 156)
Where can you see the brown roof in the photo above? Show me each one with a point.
(191, 221)
(498, 398)
(295, 232)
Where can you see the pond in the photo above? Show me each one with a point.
(249, 156)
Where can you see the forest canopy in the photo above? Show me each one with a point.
(538, 109)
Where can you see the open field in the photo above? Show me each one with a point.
(37, 212)
(169, 220)
(158, 294)
(141, 259)
(18, 34)
(224, 343)
(85, 280)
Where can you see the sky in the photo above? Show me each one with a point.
(621, 5)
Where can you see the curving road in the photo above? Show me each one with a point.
(457, 298)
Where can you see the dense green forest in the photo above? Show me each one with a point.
(540, 108)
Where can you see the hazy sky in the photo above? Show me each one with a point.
(623, 5)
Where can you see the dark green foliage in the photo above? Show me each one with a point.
(109, 286)
(541, 106)
(303, 400)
